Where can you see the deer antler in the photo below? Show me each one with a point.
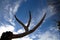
(29, 19)
(26, 27)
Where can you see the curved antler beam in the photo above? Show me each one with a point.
(29, 19)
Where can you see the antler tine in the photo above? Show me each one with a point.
(19, 21)
(40, 22)
(31, 31)
(29, 19)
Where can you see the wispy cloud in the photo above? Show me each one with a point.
(7, 11)
(55, 4)
(24, 38)
(49, 10)
(5, 28)
(12, 11)
(50, 34)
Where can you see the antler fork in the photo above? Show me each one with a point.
(25, 27)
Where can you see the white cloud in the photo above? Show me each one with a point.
(33, 36)
(12, 11)
(21, 31)
(7, 11)
(48, 10)
(24, 38)
(5, 28)
(17, 5)
(50, 34)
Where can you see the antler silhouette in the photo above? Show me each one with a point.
(27, 31)
(25, 27)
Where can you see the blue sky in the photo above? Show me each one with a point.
(47, 31)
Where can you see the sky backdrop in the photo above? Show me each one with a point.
(47, 31)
